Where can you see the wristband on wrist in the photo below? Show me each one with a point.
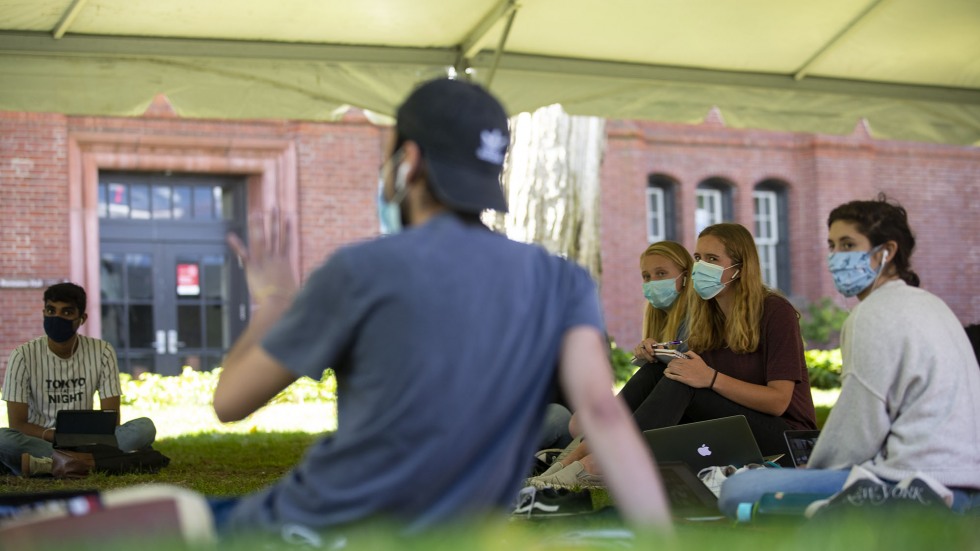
(713, 379)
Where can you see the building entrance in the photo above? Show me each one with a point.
(171, 292)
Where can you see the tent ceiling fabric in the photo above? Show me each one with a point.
(911, 68)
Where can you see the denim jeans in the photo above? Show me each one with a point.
(749, 486)
(132, 435)
(554, 430)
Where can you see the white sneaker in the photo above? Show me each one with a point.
(34, 466)
(572, 477)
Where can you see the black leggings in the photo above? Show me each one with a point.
(658, 402)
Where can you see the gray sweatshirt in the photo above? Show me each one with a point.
(910, 395)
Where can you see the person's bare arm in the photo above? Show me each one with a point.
(17, 420)
(111, 403)
(772, 398)
(626, 462)
(250, 377)
(248, 382)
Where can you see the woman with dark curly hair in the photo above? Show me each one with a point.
(908, 418)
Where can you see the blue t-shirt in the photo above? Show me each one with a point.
(444, 339)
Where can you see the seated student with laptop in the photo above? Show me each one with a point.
(745, 356)
(60, 371)
(664, 267)
(745, 352)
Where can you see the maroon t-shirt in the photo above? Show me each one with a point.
(779, 357)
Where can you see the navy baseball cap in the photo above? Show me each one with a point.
(463, 133)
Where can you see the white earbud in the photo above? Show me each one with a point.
(884, 256)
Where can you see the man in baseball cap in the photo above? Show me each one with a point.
(453, 136)
(446, 339)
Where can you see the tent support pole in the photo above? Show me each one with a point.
(802, 71)
(471, 45)
(68, 18)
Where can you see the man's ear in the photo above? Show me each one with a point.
(411, 159)
(84, 318)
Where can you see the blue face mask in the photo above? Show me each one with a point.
(661, 293)
(706, 279)
(389, 212)
(852, 271)
(59, 329)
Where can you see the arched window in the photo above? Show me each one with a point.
(771, 233)
(661, 224)
(714, 197)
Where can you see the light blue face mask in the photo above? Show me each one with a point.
(706, 278)
(661, 293)
(852, 271)
(389, 212)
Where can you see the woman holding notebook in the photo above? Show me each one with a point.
(744, 356)
(665, 267)
(745, 352)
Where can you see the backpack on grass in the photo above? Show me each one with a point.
(79, 461)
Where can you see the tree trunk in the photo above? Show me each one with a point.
(552, 184)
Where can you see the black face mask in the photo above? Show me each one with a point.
(59, 329)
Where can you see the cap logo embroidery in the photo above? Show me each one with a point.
(493, 143)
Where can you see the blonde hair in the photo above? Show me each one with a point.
(708, 329)
(657, 324)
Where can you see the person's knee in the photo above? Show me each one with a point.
(10, 439)
(739, 488)
(137, 433)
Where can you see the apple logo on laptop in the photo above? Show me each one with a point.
(704, 450)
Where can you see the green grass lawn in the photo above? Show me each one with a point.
(236, 459)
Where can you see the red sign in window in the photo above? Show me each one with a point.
(188, 280)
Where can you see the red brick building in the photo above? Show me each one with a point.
(121, 204)
(807, 175)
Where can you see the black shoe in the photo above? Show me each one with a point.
(536, 503)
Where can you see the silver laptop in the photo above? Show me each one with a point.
(83, 427)
(725, 441)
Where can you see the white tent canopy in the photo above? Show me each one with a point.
(911, 68)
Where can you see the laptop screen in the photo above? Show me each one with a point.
(800, 444)
(85, 426)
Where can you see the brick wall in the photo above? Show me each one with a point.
(936, 183)
(337, 164)
(336, 169)
(34, 214)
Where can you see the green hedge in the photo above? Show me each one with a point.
(197, 388)
(822, 365)
(824, 368)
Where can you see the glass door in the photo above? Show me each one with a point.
(198, 332)
(170, 295)
(130, 305)
(167, 306)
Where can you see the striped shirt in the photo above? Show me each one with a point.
(46, 383)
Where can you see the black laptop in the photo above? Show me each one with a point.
(689, 498)
(800, 444)
(83, 427)
(725, 441)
